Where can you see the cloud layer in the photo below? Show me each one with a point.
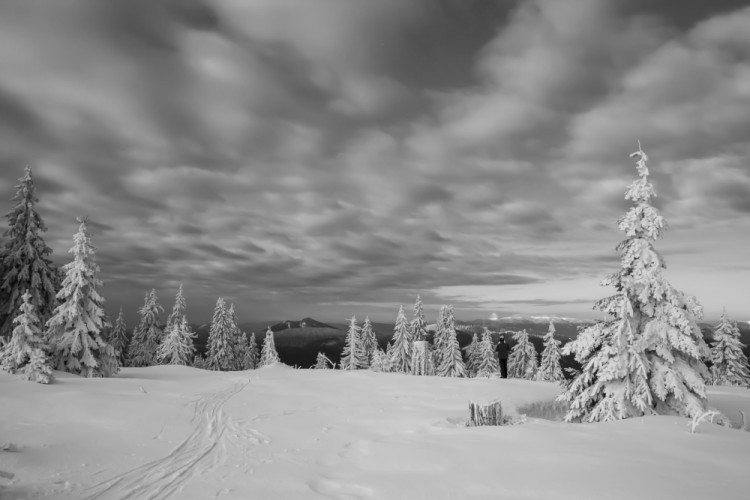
(300, 157)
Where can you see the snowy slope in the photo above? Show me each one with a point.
(279, 433)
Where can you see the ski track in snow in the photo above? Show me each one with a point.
(198, 454)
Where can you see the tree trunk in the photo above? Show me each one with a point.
(485, 414)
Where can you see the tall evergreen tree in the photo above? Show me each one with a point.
(177, 348)
(251, 354)
(729, 363)
(441, 335)
(147, 335)
(24, 260)
(239, 340)
(268, 354)
(119, 338)
(550, 369)
(417, 325)
(221, 339)
(522, 362)
(473, 358)
(24, 354)
(369, 341)
(74, 330)
(452, 362)
(354, 356)
(178, 310)
(487, 364)
(647, 357)
(400, 359)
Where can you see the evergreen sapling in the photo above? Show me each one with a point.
(177, 348)
(147, 335)
(729, 363)
(24, 354)
(452, 363)
(550, 369)
(268, 354)
(400, 356)
(522, 361)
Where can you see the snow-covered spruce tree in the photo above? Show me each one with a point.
(550, 369)
(452, 363)
(178, 310)
(24, 354)
(221, 339)
(251, 354)
(74, 331)
(522, 361)
(177, 348)
(354, 356)
(441, 336)
(119, 338)
(473, 358)
(322, 362)
(24, 260)
(379, 361)
(239, 340)
(487, 364)
(147, 335)
(417, 326)
(400, 359)
(729, 363)
(268, 354)
(369, 341)
(647, 357)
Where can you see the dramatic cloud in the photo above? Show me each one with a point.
(329, 158)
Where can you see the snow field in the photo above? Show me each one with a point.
(279, 433)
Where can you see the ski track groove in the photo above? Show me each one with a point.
(202, 451)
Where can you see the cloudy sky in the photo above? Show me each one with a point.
(337, 157)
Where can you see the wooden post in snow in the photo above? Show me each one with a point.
(485, 414)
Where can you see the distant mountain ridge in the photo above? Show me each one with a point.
(303, 323)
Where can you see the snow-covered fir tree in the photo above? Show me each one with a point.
(369, 341)
(473, 358)
(118, 338)
(74, 331)
(147, 335)
(177, 348)
(268, 354)
(550, 369)
(417, 326)
(522, 361)
(379, 361)
(729, 363)
(400, 356)
(452, 364)
(441, 336)
(251, 354)
(25, 353)
(221, 339)
(239, 340)
(487, 364)
(354, 356)
(647, 357)
(178, 310)
(322, 362)
(24, 260)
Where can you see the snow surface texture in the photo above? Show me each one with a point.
(278, 433)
